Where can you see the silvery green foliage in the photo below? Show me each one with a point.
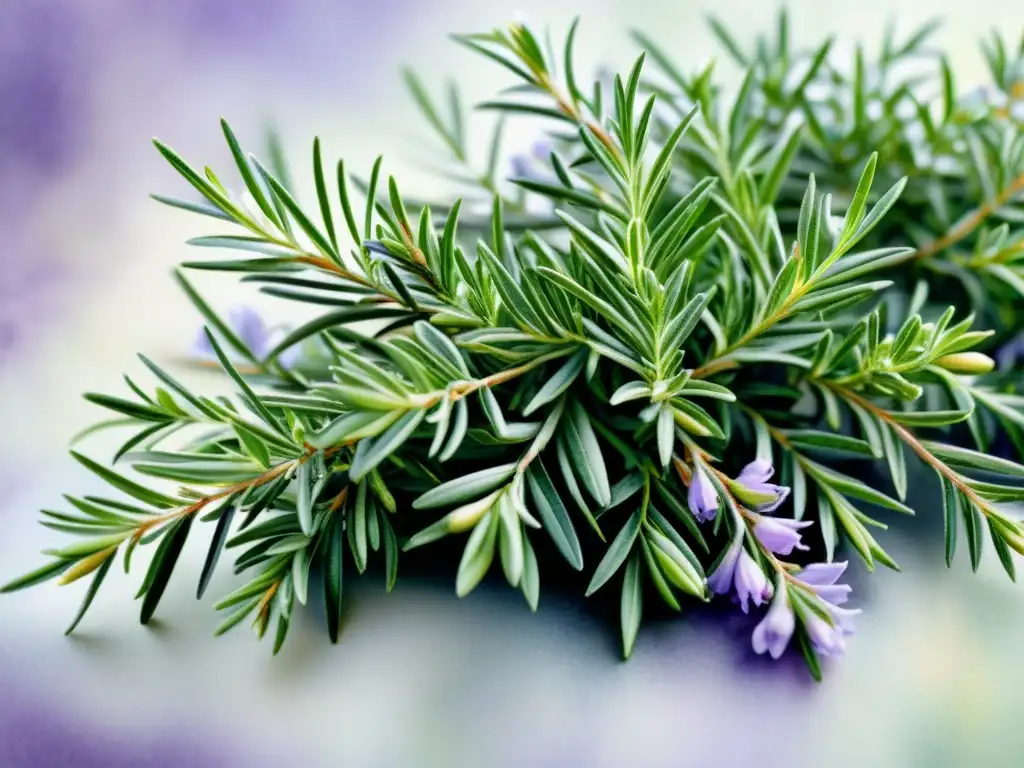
(714, 288)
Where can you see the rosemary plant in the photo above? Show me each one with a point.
(615, 377)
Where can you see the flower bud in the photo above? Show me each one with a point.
(465, 517)
(780, 535)
(674, 565)
(380, 490)
(1011, 533)
(826, 638)
(87, 565)
(690, 425)
(750, 582)
(455, 319)
(702, 498)
(751, 486)
(966, 362)
(775, 630)
(752, 497)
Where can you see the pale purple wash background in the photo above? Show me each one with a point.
(421, 678)
(53, 53)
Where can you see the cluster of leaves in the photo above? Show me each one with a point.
(558, 380)
(963, 152)
(826, 112)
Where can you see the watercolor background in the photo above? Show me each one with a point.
(932, 678)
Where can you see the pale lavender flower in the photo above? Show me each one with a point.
(751, 486)
(702, 498)
(756, 472)
(738, 570)
(843, 618)
(831, 640)
(532, 164)
(375, 246)
(775, 630)
(542, 148)
(822, 577)
(779, 535)
(835, 594)
(252, 331)
(828, 640)
(750, 582)
(522, 167)
(720, 581)
(817, 574)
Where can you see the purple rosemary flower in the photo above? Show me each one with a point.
(751, 583)
(247, 325)
(528, 165)
(252, 331)
(533, 164)
(751, 486)
(828, 639)
(738, 570)
(822, 578)
(522, 166)
(542, 149)
(702, 498)
(720, 581)
(775, 630)
(375, 246)
(779, 535)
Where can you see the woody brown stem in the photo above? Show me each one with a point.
(967, 226)
(571, 111)
(197, 506)
(338, 500)
(764, 325)
(468, 387)
(264, 604)
(916, 446)
(329, 266)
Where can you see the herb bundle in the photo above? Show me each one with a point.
(652, 349)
